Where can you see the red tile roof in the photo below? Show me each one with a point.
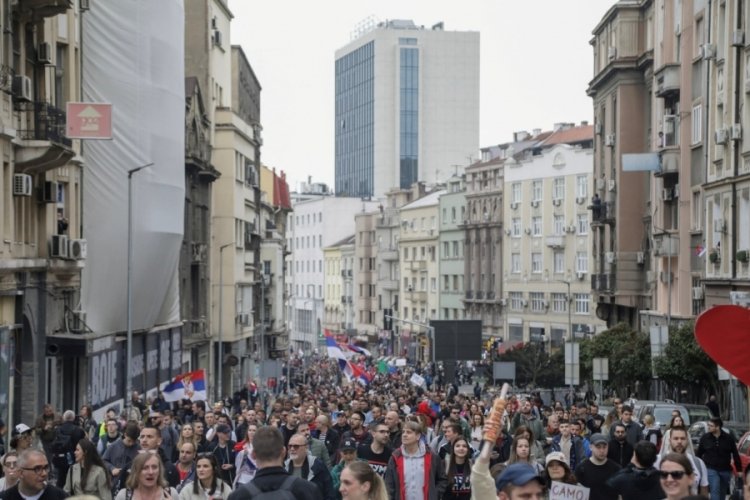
(570, 136)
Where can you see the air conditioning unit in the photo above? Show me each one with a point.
(611, 185)
(44, 53)
(736, 132)
(610, 257)
(58, 246)
(697, 293)
(738, 38)
(667, 194)
(600, 183)
(580, 275)
(77, 249)
(514, 205)
(557, 202)
(243, 318)
(640, 257)
(611, 52)
(720, 136)
(534, 203)
(22, 185)
(580, 200)
(609, 140)
(48, 192)
(708, 51)
(217, 38)
(22, 88)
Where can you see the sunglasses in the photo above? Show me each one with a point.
(295, 446)
(676, 474)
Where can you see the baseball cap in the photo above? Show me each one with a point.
(557, 456)
(349, 444)
(598, 438)
(223, 428)
(21, 428)
(517, 474)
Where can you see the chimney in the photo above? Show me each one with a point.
(536, 132)
(584, 123)
(519, 136)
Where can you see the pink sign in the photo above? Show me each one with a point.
(88, 120)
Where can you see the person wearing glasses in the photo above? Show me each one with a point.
(357, 432)
(378, 453)
(305, 465)
(676, 476)
(33, 481)
(88, 475)
(10, 469)
(207, 483)
(21, 439)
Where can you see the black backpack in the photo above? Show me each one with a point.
(283, 493)
(61, 444)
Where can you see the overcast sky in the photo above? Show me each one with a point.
(536, 63)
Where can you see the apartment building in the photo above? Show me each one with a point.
(406, 106)
(547, 246)
(339, 291)
(41, 250)
(419, 262)
(451, 247)
(367, 305)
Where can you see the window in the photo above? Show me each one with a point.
(536, 263)
(536, 226)
(515, 192)
(453, 214)
(559, 302)
(433, 284)
(516, 227)
(515, 263)
(558, 188)
(456, 249)
(516, 301)
(582, 223)
(582, 262)
(537, 301)
(696, 129)
(446, 249)
(446, 282)
(582, 186)
(536, 191)
(581, 301)
(559, 224)
(559, 258)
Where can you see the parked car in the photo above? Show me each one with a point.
(661, 411)
(743, 446)
(734, 429)
(698, 413)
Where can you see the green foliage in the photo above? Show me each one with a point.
(684, 365)
(629, 357)
(535, 367)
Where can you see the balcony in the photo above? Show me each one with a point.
(604, 213)
(252, 238)
(669, 162)
(480, 295)
(603, 282)
(418, 295)
(555, 241)
(469, 294)
(666, 245)
(44, 8)
(667, 79)
(41, 130)
(418, 265)
(390, 285)
(389, 254)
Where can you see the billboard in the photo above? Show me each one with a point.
(458, 340)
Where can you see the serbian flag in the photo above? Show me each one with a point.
(190, 386)
(333, 349)
(359, 374)
(359, 350)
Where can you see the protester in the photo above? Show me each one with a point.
(185, 464)
(557, 469)
(414, 469)
(302, 463)
(458, 467)
(717, 449)
(207, 482)
(243, 462)
(88, 475)
(676, 476)
(10, 469)
(360, 482)
(147, 480)
(33, 482)
(348, 455)
(639, 480)
(594, 472)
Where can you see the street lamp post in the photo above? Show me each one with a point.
(430, 329)
(129, 319)
(570, 330)
(220, 347)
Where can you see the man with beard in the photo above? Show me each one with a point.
(357, 432)
(315, 446)
(596, 471)
(377, 453)
(302, 464)
(680, 443)
(394, 429)
(620, 450)
(342, 424)
(524, 416)
(633, 430)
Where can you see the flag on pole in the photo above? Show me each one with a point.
(359, 350)
(700, 250)
(191, 385)
(333, 349)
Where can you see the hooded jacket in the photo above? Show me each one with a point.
(435, 480)
(632, 483)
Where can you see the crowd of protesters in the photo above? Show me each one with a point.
(326, 438)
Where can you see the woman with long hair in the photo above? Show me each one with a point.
(535, 451)
(146, 480)
(477, 424)
(458, 470)
(243, 462)
(88, 475)
(676, 475)
(11, 471)
(208, 482)
(520, 451)
(360, 482)
(557, 469)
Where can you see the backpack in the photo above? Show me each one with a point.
(61, 444)
(284, 492)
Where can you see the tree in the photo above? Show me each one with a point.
(534, 366)
(629, 357)
(685, 367)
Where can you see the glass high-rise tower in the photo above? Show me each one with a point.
(407, 107)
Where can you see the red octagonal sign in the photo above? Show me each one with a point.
(88, 120)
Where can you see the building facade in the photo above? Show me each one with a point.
(367, 305)
(451, 247)
(407, 106)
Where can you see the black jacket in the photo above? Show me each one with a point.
(620, 453)
(271, 478)
(637, 484)
(50, 493)
(332, 440)
(717, 453)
